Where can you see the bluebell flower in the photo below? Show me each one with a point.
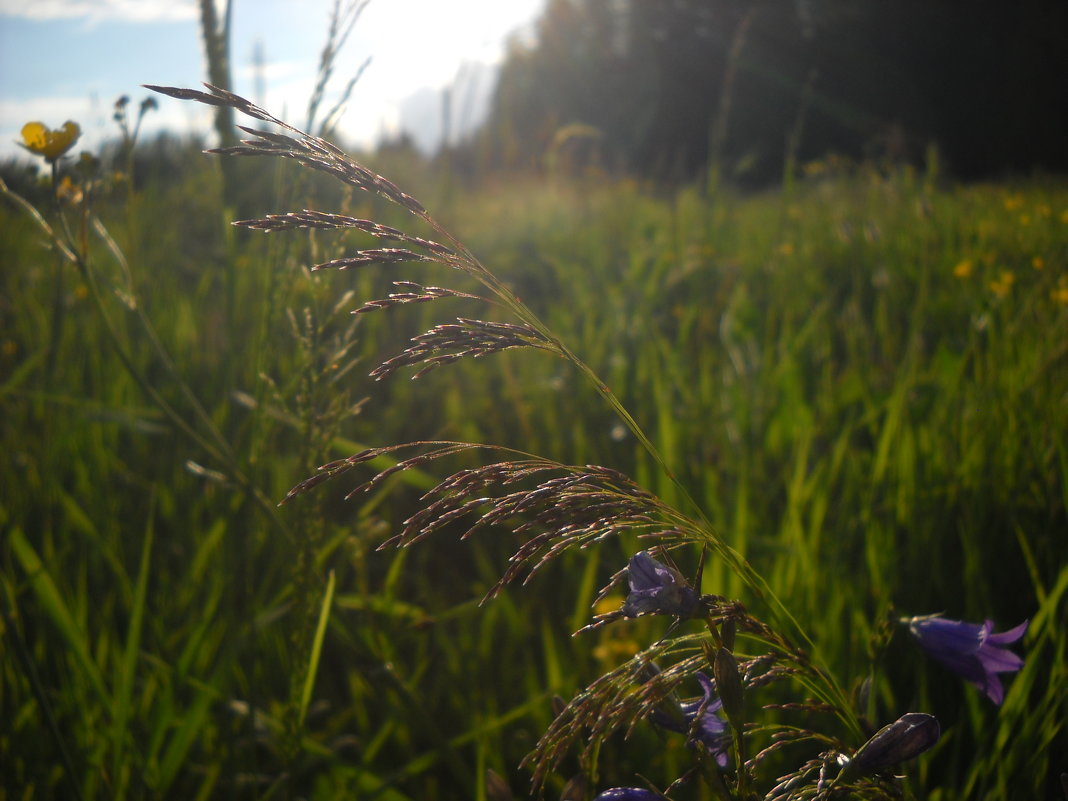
(970, 650)
(629, 794)
(656, 589)
(711, 730)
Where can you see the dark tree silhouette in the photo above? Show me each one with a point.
(670, 83)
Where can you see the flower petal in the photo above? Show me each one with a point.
(992, 688)
(656, 588)
(998, 660)
(939, 635)
(1010, 636)
(645, 573)
(34, 135)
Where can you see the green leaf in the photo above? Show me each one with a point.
(317, 648)
(128, 669)
(51, 599)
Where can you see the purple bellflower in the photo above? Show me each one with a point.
(711, 729)
(656, 589)
(629, 794)
(970, 650)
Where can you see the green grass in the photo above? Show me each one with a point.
(879, 430)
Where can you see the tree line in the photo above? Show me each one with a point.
(667, 88)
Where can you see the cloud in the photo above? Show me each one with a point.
(99, 10)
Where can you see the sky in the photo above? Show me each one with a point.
(72, 59)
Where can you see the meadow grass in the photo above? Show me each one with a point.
(861, 380)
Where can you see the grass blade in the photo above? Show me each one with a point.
(51, 599)
(128, 669)
(317, 647)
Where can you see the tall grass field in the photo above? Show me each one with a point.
(858, 382)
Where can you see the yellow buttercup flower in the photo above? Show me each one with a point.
(43, 141)
(1060, 292)
(613, 651)
(1003, 283)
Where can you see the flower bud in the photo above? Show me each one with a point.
(907, 737)
(726, 631)
(729, 685)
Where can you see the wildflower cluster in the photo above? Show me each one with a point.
(733, 657)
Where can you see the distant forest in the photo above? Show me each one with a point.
(663, 88)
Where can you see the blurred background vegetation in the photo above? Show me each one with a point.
(819, 250)
(671, 85)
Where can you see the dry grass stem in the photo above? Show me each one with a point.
(416, 294)
(305, 149)
(447, 343)
(553, 508)
(323, 220)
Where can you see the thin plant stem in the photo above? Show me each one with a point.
(217, 448)
(55, 331)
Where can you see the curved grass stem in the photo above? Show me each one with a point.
(827, 689)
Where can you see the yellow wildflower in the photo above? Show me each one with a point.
(1013, 202)
(1064, 216)
(69, 191)
(1060, 294)
(607, 604)
(1003, 283)
(43, 141)
(786, 249)
(1038, 262)
(613, 651)
(964, 268)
